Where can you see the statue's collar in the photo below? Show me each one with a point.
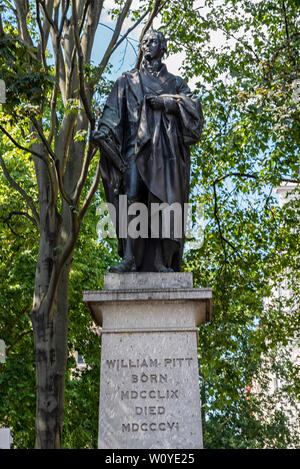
(161, 73)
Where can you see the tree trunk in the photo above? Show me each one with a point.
(51, 358)
(50, 318)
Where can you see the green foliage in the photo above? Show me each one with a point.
(22, 73)
(18, 240)
(17, 396)
(19, 248)
(250, 143)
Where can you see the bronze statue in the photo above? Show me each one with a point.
(148, 124)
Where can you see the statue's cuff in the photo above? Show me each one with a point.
(170, 105)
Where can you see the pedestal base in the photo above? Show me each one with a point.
(149, 384)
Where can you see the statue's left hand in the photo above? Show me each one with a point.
(156, 102)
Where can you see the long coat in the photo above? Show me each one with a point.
(161, 139)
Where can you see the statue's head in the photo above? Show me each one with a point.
(153, 45)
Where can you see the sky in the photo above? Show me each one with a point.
(124, 58)
(122, 63)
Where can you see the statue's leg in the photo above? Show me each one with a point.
(135, 190)
(159, 261)
(162, 257)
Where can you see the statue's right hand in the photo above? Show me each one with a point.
(94, 137)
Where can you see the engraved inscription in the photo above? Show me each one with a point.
(142, 373)
(154, 378)
(150, 426)
(150, 410)
(152, 394)
(119, 364)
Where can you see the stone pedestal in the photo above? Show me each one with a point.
(149, 384)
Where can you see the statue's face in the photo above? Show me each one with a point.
(151, 47)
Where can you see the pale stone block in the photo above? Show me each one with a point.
(2, 92)
(149, 384)
(148, 280)
(2, 351)
(5, 438)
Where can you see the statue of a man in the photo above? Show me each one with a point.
(148, 124)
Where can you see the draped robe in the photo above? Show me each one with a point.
(160, 140)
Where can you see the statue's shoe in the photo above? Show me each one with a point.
(127, 265)
(163, 268)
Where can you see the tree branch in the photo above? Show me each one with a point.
(252, 176)
(28, 150)
(67, 198)
(53, 116)
(56, 164)
(22, 192)
(92, 14)
(124, 36)
(43, 138)
(22, 8)
(10, 347)
(246, 175)
(24, 214)
(242, 175)
(42, 45)
(14, 232)
(48, 16)
(64, 137)
(222, 238)
(9, 5)
(82, 178)
(18, 314)
(285, 21)
(1, 25)
(294, 181)
(59, 264)
(56, 44)
(63, 19)
(51, 169)
(113, 41)
(91, 192)
(82, 89)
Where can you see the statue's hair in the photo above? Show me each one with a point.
(161, 38)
